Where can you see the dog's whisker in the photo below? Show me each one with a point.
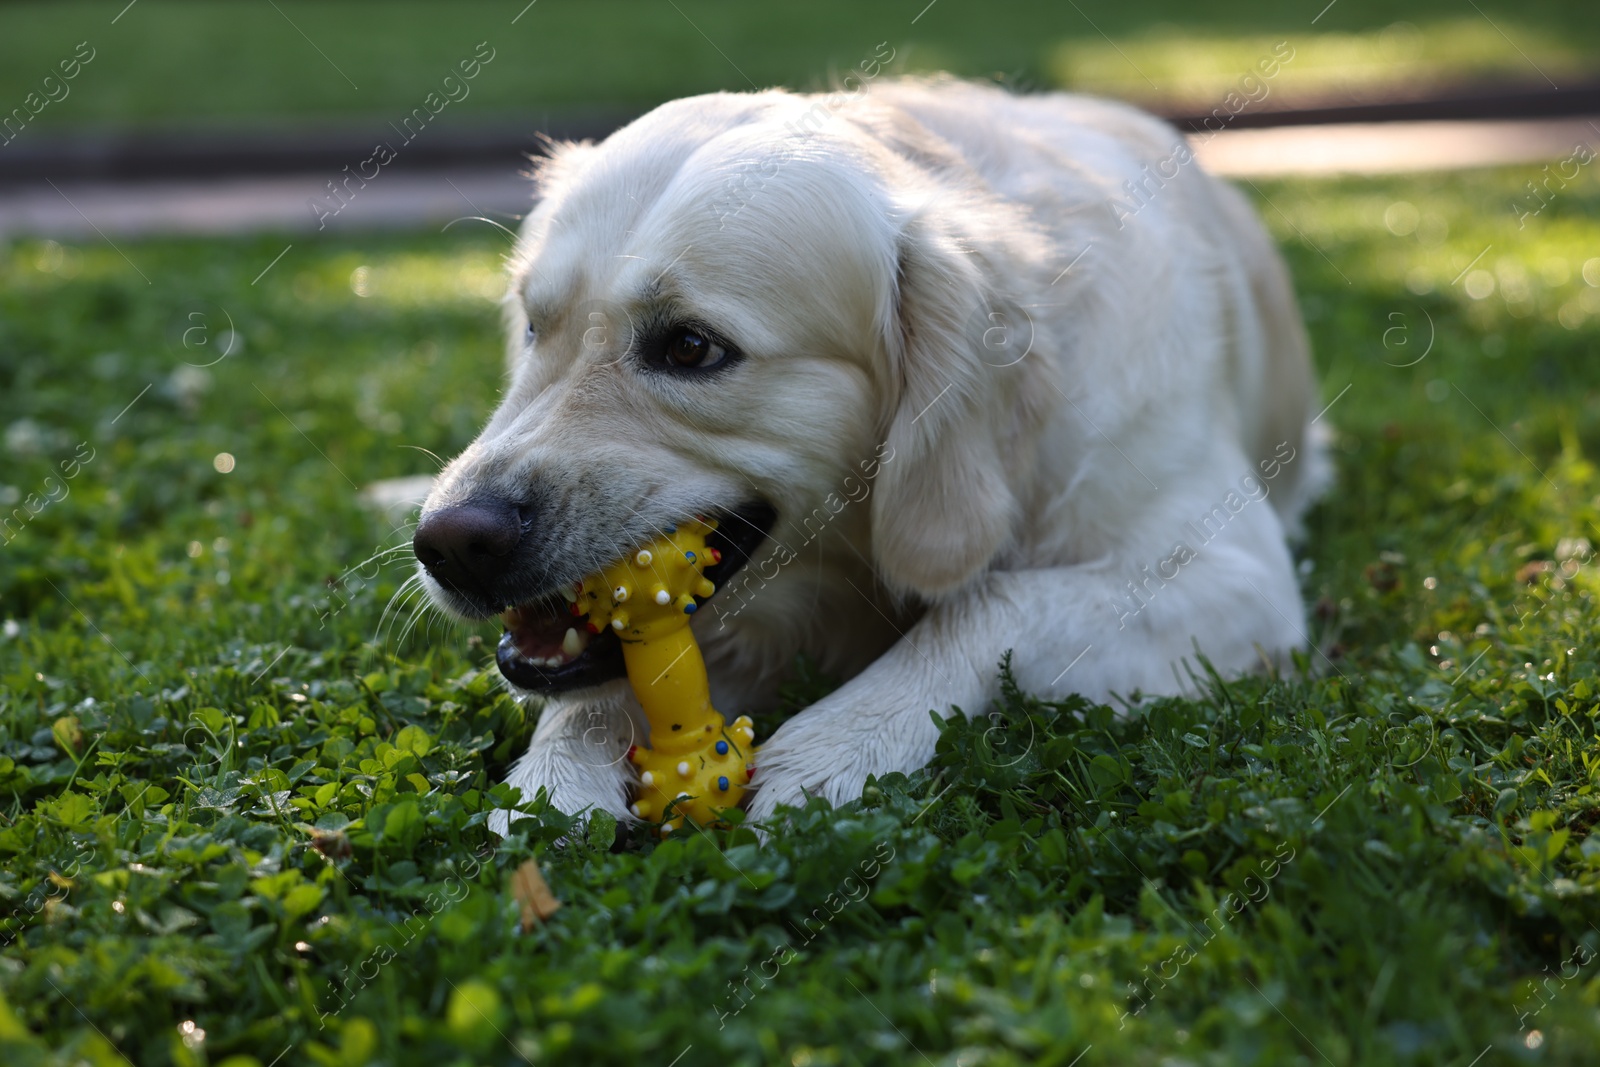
(427, 452)
(397, 602)
(479, 218)
(377, 553)
(428, 617)
(390, 551)
(416, 615)
(415, 610)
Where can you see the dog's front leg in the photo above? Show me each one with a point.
(1114, 626)
(878, 722)
(579, 753)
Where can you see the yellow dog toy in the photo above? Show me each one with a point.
(697, 765)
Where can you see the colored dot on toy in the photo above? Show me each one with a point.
(663, 597)
(722, 784)
(643, 558)
(722, 748)
(617, 624)
(666, 828)
(689, 556)
(683, 768)
(635, 809)
(647, 778)
(619, 594)
(690, 608)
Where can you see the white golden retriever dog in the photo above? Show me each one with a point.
(958, 371)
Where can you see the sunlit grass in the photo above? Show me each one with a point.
(469, 280)
(1169, 63)
(1468, 243)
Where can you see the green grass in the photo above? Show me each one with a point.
(187, 62)
(239, 811)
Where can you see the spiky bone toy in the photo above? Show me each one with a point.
(698, 764)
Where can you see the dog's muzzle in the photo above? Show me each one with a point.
(482, 553)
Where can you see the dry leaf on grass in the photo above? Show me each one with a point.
(531, 891)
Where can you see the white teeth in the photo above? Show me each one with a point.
(572, 644)
(545, 661)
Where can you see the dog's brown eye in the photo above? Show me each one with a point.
(693, 349)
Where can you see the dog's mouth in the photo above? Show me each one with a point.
(548, 645)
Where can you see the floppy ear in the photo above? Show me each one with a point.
(943, 506)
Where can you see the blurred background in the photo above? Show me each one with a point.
(205, 66)
(188, 91)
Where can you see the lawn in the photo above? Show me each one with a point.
(242, 795)
(249, 62)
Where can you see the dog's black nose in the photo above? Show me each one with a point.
(468, 547)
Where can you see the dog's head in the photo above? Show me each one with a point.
(727, 309)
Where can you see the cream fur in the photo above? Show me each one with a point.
(894, 264)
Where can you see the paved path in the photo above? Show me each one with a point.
(400, 199)
(396, 200)
(1394, 147)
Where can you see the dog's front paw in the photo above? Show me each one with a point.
(779, 783)
(575, 786)
(830, 750)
